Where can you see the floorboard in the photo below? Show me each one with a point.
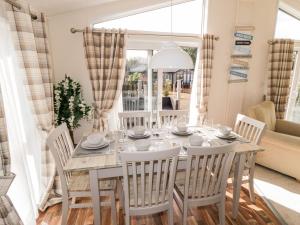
(249, 214)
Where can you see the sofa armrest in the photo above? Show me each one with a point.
(288, 127)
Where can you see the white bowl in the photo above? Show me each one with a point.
(224, 130)
(139, 130)
(196, 140)
(95, 138)
(142, 145)
(182, 128)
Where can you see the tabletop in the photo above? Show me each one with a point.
(110, 158)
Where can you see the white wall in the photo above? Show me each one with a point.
(67, 48)
(226, 100)
(68, 52)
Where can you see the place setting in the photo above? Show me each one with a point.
(182, 130)
(138, 132)
(93, 144)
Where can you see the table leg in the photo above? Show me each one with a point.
(237, 183)
(95, 190)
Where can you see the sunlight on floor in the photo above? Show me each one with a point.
(280, 195)
(282, 192)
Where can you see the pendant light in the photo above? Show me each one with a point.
(171, 56)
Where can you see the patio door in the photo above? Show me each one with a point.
(154, 90)
(293, 109)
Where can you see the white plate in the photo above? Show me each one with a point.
(188, 145)
(134, 136)
(183, 133)
(230, 136)
(88, 146)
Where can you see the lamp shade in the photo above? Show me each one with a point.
(171, 56)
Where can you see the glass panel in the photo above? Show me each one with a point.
(186, 19)
(177, 85)
(287, 26)
(295, 114)
(135, 89)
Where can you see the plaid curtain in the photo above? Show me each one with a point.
(279, 74)
(105, 55)
(8, 214)
(32, 49)
(4, 151)
(206, 66)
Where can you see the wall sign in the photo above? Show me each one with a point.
(241, 54)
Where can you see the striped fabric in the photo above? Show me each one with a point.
(105, 55)
(8, 214)
(4, 151)
(206, 66)
(279, 74)
(32, 49)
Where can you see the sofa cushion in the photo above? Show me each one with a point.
(264, 112)
(288, 127)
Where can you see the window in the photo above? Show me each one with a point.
(288, 26)
(140, 88)
(186, 18)
(143, 88)
(293, 109)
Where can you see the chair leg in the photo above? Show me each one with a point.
(113, 209)
(251, 190)
(65, 209)
(184, 216)
(221, 207)
(120, 194)
(171, 215)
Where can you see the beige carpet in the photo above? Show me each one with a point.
(282, 192)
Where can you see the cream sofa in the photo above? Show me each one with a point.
(281, 141)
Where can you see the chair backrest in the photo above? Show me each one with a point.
(131, 119)
(149, 177)
(249, 128)
(207, 171)
(172, 117)
(61, 146)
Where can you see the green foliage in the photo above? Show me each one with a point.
(69, 106)
(167, 87)
(134, 77)
(298, 95)
(192, 52)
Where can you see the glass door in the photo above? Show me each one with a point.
(293, 109)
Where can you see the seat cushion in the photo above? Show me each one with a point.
(81, 182)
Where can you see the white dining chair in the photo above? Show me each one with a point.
(149, 182)
(252, 130)
(172, 117)
(131, 119)
(76, 185)
(206, 179)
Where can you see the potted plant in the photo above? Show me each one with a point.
(69, 106)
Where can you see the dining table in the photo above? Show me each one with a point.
(106, 163)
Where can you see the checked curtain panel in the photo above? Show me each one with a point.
(105, 55)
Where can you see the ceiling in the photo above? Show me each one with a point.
(54, 7)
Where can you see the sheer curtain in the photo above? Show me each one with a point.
(195, 99)
(24, 139)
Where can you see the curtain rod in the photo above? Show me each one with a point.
(74, 30)
(19, 7)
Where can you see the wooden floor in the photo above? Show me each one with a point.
(249, 214)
